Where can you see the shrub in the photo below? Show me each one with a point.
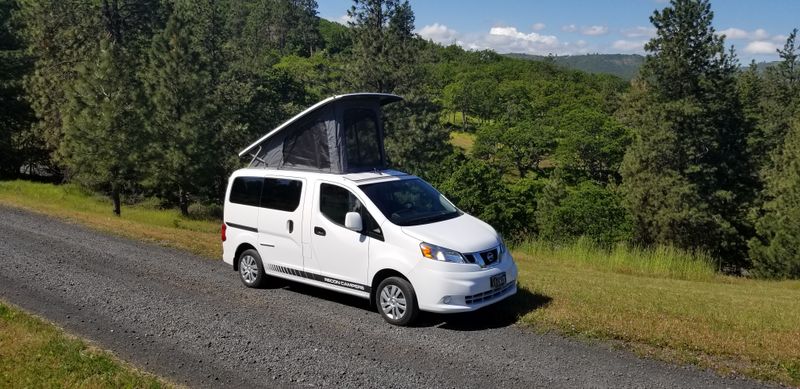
(588, 210)
(200, 211)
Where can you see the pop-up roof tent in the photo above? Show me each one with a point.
(341, 134)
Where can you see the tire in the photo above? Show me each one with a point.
(251, 270)
(389, 297)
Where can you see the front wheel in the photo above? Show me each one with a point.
(251, 271)
(397, 301)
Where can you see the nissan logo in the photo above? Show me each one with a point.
(490, 256)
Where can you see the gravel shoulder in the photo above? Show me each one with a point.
(189, 319)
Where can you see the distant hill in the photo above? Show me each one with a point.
(625, 66)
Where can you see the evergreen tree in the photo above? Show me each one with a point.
(384, 52)
(780, 104)
(751, 94)
(181, 82)
(686, 177)
(776, 249)
(103, 130)
(61, 36)
(16, 116)
(383, 59)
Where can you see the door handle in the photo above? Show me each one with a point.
(290, 226)
(319, 231)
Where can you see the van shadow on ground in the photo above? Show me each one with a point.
(502, 314)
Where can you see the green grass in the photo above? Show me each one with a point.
(34, 353)
(462, 140)
(663, 303)
(144, 221)
(666, 304)
(660, 262)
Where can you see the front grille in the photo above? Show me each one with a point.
(490, 257)
(486, 296)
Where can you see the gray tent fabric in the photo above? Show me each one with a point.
(341, 134)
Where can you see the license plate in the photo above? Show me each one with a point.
(498, 280)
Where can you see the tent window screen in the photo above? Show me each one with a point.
(363, 142)
(308, 146)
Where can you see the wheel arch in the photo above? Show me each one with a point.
(379, 277)
(239, 250)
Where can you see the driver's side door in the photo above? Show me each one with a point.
(337, 253)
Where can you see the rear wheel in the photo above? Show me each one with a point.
(397, 301)
(251, 270)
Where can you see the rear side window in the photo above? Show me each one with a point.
(281, 194)
(335, 202)
(246, 190)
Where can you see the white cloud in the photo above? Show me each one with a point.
(508, 39)
(344, 19)
(628, 45)
(639, 32)
(594, 30)
(780, 38)
(538, 26)
(760, 34)
(569, 28)
(438, 33)
(760, 47)
(735, 33)
(512, 36)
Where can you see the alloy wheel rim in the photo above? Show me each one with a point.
(393, 302)
(249, 269)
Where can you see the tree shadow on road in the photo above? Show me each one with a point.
(502, 314)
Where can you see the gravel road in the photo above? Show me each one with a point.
(190, 319)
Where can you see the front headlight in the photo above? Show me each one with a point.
(502, 249)
(440, 253)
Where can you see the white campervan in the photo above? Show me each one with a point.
(318, 206)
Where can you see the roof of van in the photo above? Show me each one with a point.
(382, 98)
(358, 178)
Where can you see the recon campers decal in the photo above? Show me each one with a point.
(317, 277)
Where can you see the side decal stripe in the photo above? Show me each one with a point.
(317, 277)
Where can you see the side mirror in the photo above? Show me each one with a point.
(352, 221)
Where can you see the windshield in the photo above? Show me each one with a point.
(410, 202)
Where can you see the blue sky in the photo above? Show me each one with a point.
(755, 28)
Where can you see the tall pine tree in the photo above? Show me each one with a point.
(384, 59)
(60, 36)
(16, 116)
(686, 176)
(780, 104)
(181, 81)
(776, 249)
(103, 128)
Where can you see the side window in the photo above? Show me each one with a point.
(246, 190)
(335, 202)
(361, 133)
(281, 194)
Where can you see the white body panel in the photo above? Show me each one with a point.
(347, 261)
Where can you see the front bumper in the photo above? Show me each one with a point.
(464, 290)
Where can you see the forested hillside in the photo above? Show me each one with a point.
(153, 99)
(625, 66)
